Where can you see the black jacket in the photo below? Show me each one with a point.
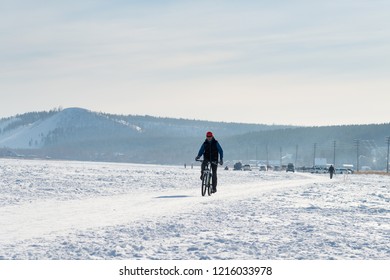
(211, 150)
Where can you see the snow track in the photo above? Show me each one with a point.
(42, 218)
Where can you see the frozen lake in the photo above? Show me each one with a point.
(86, 210)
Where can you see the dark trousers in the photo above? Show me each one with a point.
(214, 171)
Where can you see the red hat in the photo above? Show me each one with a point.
(209, 134)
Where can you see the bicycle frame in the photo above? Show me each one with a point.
(207, 177)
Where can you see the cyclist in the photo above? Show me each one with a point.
(210, 150)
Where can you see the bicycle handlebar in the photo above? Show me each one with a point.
(212, 162)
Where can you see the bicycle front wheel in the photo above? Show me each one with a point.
(204, 184)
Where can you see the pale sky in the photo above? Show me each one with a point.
(300, 62)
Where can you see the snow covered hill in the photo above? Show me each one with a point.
(32, 131)
(71, 123)
(81, 210)
(79, 134)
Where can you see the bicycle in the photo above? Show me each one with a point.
(207, 178)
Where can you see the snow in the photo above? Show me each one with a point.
(133, 126)
(84, 210)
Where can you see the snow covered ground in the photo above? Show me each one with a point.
(83, 210)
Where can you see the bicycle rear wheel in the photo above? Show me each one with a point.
(209, 185)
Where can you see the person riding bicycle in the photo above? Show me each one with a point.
(210, 150)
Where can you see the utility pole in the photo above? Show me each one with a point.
(296, 155)
(281, 160)
(334, 154)
(314, 155)
(256, 155)
(357, 143)
(388, 148)
(267, 157)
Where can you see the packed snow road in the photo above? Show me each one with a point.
(78, 210)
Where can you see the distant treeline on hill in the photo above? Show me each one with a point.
(302, 144)
(79, 134)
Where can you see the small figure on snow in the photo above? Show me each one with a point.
(331, 171)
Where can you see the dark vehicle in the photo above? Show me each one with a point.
(237, 166)
(277, 168)
(290, 167)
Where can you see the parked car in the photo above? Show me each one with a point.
(263, 168)
(343, 171)
(246, 167)
(319, 169)
(290, 167)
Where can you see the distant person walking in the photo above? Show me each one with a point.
(331, 171)
(210, 150)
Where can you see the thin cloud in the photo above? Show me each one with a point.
(87, 52)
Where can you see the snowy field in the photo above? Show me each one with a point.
(79, 210)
